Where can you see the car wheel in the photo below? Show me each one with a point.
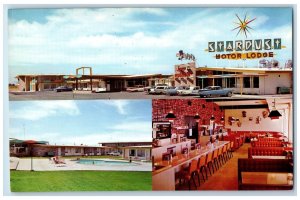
(229, 94)
(210, 95)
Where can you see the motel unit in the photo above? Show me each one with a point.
(262, 81)
(89, 82)
(128, 150)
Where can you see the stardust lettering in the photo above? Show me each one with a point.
(246, 45)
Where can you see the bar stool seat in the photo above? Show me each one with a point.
(189, 173)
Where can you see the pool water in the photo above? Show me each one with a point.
(106, 162)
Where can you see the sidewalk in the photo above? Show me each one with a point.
(48, 165)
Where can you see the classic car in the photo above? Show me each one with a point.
(137, 88)
(63, 89)
(190, 91)
(98, 90)
(115, 153)
(158, 90)
(211, 91)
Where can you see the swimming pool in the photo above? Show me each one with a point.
(106, 162)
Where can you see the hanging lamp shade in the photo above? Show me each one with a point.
(197, 117)
(222, 119)
(170, 116)
(274, 114)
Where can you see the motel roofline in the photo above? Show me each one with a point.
(138, 147)
(76, 146)
(225, 69)
(142, 142)
(98, 75)
(246, 69)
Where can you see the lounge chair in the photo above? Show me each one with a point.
(58, 161)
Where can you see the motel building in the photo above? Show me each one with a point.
(112, 83)
(261, 80)
(128, 150)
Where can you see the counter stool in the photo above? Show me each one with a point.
(209, 163)
(231, 149)
(215, 159)
(201, 166)
(189, 173)
(220, 156)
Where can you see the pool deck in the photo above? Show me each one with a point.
(49, 165)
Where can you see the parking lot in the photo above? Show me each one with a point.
(51, 95)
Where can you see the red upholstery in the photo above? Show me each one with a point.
(266, 144)
(269, 140)
(238, 141)
(265, 151)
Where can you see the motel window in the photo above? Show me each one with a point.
(218, 82)
(255, 82)
(141, 153)
(77, 150)
(246, 82)
(230, 82)
(132, 152)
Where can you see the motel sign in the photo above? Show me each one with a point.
(247, 45)
(247, 49)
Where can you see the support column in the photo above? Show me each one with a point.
(241, 86)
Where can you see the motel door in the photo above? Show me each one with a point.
(132, 152)
(59, 151)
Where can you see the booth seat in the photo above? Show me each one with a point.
(266, 144)
(266, 139)
(265, 151)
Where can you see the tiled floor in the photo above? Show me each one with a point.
(226, 178)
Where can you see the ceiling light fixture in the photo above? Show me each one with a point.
(274, 114)
(170, 116)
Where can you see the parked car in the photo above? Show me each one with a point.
(63, 89)
(137, 88)
(211, 91)
(158, 90)
(195, 91)
(115, 153)
(190, 91)
(98, 90)
(182, 88)
(173, 90)
(150, 89)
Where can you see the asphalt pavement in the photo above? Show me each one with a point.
(51, 95)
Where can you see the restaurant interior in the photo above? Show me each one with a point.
(222, 144)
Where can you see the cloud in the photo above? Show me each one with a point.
(133, 126)
(101, 137)
(120, 105)
(42, 109)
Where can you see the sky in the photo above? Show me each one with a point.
(86, 122)
(133, 40)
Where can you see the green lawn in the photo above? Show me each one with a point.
(54, 181)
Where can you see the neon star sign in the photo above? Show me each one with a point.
(243, 26)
